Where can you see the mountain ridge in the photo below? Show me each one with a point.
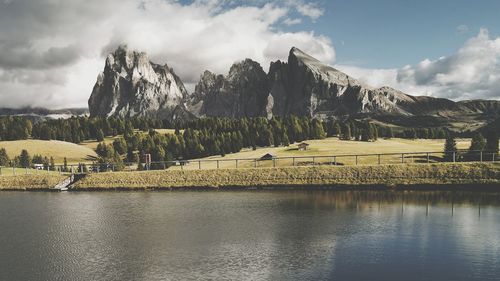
(131, 85)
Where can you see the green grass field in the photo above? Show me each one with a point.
(58, 149)
(333, 147)
(9, 171)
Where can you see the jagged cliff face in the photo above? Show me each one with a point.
(131, 85)
(242, 93)
(305, 86)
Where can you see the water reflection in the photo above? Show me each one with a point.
(319, 235)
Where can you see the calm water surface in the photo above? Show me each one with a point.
(250, 236)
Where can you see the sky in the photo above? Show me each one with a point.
(51, 51)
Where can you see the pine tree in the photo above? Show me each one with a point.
(375, 132)
(100, 135)
(337, 131)
(120, 146)
(286, 142)
(346, 133)
(25, 159)
(4, 158)
(450, 148)
(52, 164)
(477, 145)
(65, 163)
(492, 142)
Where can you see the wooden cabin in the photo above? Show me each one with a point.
(267, 156)
(303, 146)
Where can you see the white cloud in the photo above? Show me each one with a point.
(52, 50)
(473, 72)
(310, 10)
(290, 21)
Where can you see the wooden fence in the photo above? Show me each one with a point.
(270, 161)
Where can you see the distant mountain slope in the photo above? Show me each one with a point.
(39, 113)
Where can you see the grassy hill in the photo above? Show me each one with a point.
(58, 149)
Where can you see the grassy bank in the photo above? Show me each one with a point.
(30, 182)
(385, 175)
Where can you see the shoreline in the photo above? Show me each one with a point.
(491, 187)
(443, 176)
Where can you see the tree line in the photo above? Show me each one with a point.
(202, 137)
(79, 129)
(25, 160)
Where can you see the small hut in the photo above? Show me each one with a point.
(303, 146)
(267, 156)
(38, 166)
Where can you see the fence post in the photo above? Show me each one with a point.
(236, 163)
(428, 160)
(274, 162)
(314, 161)
(13, 170)
(379, 159)
(293, 161)
(454, 156)
(481, 156)
(199, 165)
(217, 164)
(402, 158)
(356, 159)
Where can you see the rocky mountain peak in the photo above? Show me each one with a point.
(131, 85)
(243, 92)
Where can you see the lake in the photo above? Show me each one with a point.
(250, 235)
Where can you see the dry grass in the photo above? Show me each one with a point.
(334, 146)
(30, 182)
(92, 144)
(386, 175)
(58, 149)
(168, 131)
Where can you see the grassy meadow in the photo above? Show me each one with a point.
(334, 147)
(58, 149)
